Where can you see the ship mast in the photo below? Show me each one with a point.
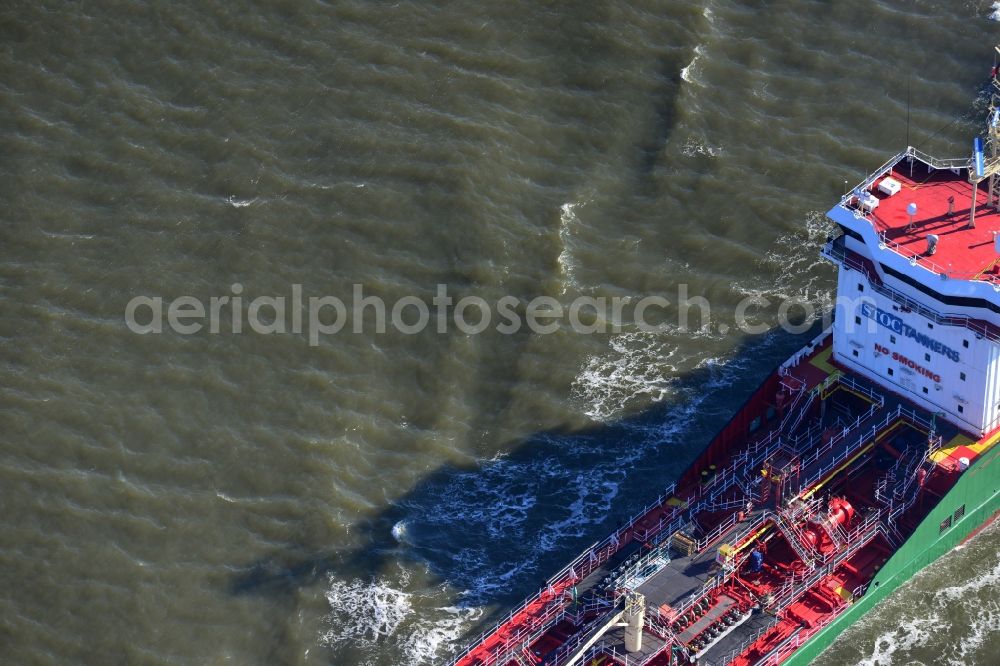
(992, 167)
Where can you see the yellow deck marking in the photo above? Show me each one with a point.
(752, 539)
(822, 361)
(980, 447)
(810, 492)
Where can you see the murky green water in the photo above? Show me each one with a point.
(252, 499)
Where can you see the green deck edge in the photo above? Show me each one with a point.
(976, 489)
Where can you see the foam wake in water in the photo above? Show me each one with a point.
(637, 368)
(690, 73)
(567, 264)
(363, 613)
(386, 617)
(926, 605)
(433, 640)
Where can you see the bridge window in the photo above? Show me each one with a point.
(945, 524)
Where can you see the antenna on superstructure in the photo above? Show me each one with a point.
(908, 112)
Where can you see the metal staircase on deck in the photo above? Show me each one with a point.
(793, 535)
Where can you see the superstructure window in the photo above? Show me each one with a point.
(930, 325)
(961, 409)
(961, 376)
(861, 287)
(892, 339)
(890, 372)
(854, 351)
(965, 343)
(927, 357)
(925, 389)
(857, 320)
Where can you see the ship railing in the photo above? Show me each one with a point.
(917, 258)
(718, 483)
(848, 201)
(797, 357)
(837, 251)
(802, 411)
(910, 152)
(891, 533)
(759, 449)
(704, 543)
(793, 535)
(792, 410)
(795, 641)
(881, 492)
(744, 532)
(902, 488)
(620, 656)
(736, 472)
(937, 163)
(658, 624)
(750, 465)
(915, 418)
(863, 535)
(904, 496)
(717, 533)
(803, 508)
(933, 446)
(857, 387)
(797, 584)
(729, 657)
(565, 652)
(658, 557)
(842, 455)
(870, 179)
(723, 505)
(523, 635)
(665, 534)
(589, 560)
(806, 438)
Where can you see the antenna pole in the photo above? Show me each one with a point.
(907, 112)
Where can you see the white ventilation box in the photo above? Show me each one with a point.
(889, 186)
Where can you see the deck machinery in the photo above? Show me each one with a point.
(859, 460)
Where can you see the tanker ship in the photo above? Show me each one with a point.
(858, 461)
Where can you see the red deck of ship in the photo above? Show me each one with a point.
(962, 252)
(516, 642)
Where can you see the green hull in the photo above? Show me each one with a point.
(977, 491)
